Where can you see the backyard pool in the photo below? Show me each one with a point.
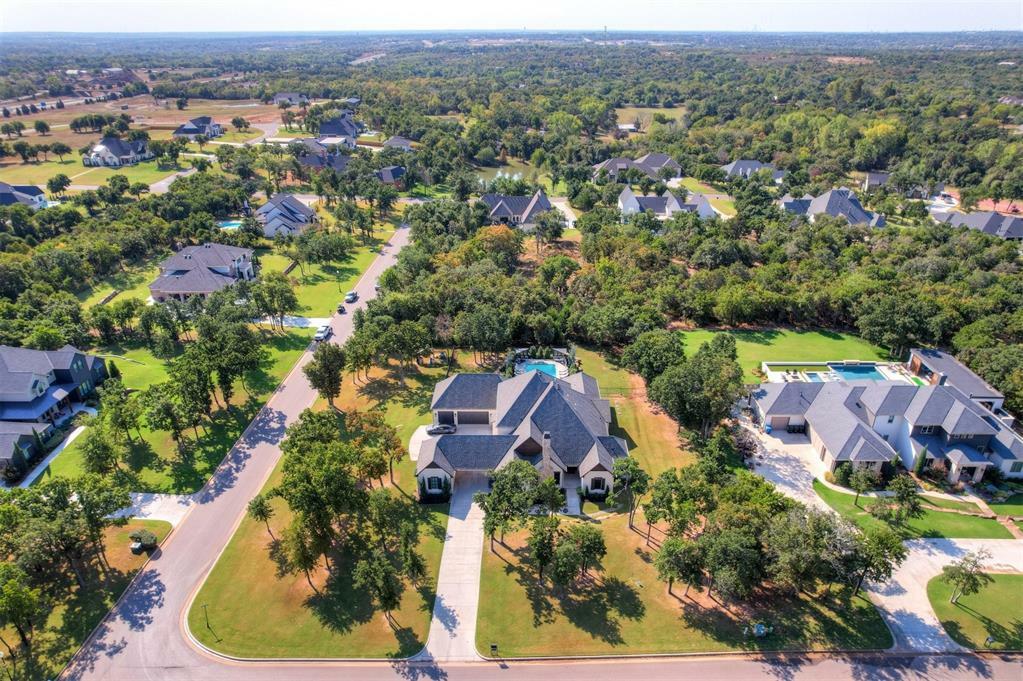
(546, 367)
(858, 372)
(229, 224)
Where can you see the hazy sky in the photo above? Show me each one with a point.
(346, 15)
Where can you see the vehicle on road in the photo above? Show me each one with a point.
(323, 333)
(440, 429)
(340, 309)
(351, 297)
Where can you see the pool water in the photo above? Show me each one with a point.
(858, 372)
(546, 368)
(229, 224)
(815, 377)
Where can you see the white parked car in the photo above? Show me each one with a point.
(323, 333)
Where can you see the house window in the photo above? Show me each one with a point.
(959, 436)
(597, 484)
(433, 483)
(891, 418)
(1016, 467)
(926, 430)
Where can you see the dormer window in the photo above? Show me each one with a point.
(926, 430)
(891, 418)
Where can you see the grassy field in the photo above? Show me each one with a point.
(645, 114)
(232, 135)
(76, 612)
(788, 345)
(625, 609)
(1012, 506)
(16, 172)
(932, 524)
(997, 611)
(697, 187)
(130, 283)
(155, 462)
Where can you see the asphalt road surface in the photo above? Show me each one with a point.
(144, 637)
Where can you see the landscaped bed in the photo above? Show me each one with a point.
(932, 524)
(625, 609)
(996, 611)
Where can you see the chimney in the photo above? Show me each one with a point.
(546, 467)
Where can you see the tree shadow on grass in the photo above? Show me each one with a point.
(616, 430)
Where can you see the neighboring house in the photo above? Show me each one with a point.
(392, 175)
(201, 270)
(989, 222)
(398, 142)
(875, 179)
(24, 194)
(869, 423)
(38, 390)
(746, 168)
(353, 102)
(651, 165)
(284, 215)
(331, 141)
(516, 210)
(558, 425)
(840, 203)
(664, 206)
(342, 125)
(203, 125)
(316, 155)
(115, 152)
(292, 98)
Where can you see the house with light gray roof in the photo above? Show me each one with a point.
(839, 203)
(1002, 226)
(201, 270)
(560, 426)
(745, 168)
(521, 211)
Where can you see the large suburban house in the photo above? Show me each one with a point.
(558, 425)
(284, 215)
(875, 179)
(664, 206)
(316, 155)
(651, 165)
(746, 168)
(23, 194)
(392, 175)
(116, 152)
(989, 222)
(40, 389)
(203, 125)
(949, 415)
(398, 142)
(201, 270)
(839, 203)
(292, 98)
(516, 210)
(342, 125)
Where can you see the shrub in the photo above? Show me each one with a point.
(842, 474)
(144, 537)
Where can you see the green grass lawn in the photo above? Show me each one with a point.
(131, 283)
(75, 612)
(645, 114)
(625, 609)
(788, 345)
(938, 502)
(698, 187)
(139, 367)
(155, 462)
(233, 135)
(932, 524)
(39, 173)
(1012, 506)
(997, 611)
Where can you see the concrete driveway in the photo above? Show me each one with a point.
(561, 204)
(416, 442)
(789, 461)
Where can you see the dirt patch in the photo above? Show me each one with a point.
(855, 61)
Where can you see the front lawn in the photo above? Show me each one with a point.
(256, 610)
(139, 367)
(932, 524)
(132, 282)
(997, 611)
(788, 345)
(155, 462)
(76, 612)
(1012, 506)
(16, 172)
(625, 609)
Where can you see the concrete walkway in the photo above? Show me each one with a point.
(903, 600)
(149, 506)
(453, 627)
(302, 322)
(41, 467)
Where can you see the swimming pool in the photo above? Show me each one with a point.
(858, 372)
(229, 224)
(546, 367)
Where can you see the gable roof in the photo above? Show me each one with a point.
(119, 147)
(466, 391)
(341, 126)
(841, 202)
(398, 142)
(989, 222)
(648, 164)
(390, 174)
(190, 270)
(289, 206)
(525, 208)
(954, 373)
(11, 194)
(744, 167)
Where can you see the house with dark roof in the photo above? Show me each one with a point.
(313, 154)
(876, 179)
(516, 210)
(23, 194)
(285, 215)
(292, 98)
(116, 152)
(664, 206)
(746, 168)
(839, 203)
(40, 389)
(937, 367)
(392, 175)
(1002, 226)
(342, 125)
(203, 125)
(656, 166)
(560, 426)
(398, 142)
(201, 270)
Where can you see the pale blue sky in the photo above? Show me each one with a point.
(346, 15)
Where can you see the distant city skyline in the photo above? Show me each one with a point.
(159, 16)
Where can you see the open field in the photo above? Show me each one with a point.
(997, 611)
(932, 524)
(788, 345)
(76, 612)
(645, 114)
(16, 172)
(155, 462)
(625, 609)
(139, 367)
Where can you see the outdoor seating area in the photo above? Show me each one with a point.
(843, 370)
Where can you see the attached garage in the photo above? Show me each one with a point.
(779, 422)
(446, 418)
(473, 418)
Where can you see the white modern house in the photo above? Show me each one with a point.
(116, 152)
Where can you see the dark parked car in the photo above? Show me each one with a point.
(340, 309)
(442, 429)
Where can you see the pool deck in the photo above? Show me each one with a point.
(561, 371)
(807, 372)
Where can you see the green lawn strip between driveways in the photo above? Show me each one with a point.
(627, 610)
(155, 462)
(996, 611)
(932, 524)
(1013, 506)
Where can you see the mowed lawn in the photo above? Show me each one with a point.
(75, 612)
(133, 282)
(1012, 506)
(155, 462)
(932, 524)
(645, 114)
(139, 367)
(788, 345)
(38, 173)
(997, 611)
(625, 609)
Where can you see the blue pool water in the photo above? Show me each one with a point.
(546, 368)
(858, 372)
(815, 377)
(229, 224)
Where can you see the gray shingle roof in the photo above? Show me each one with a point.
(841, 202)
(525, 208)
(989, 222)
(119, 147)
(466, 391)
(955, 373)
